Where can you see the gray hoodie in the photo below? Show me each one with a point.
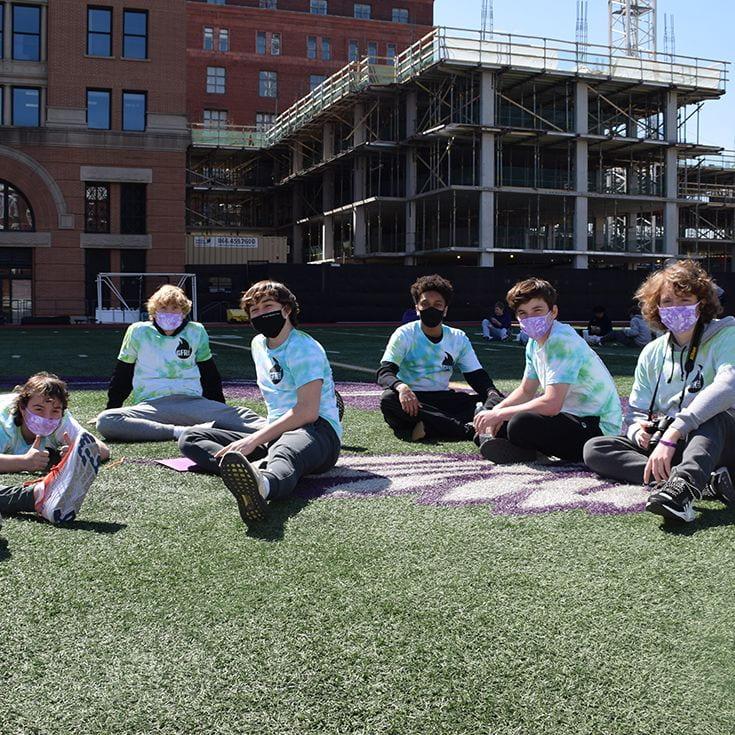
(708, 390)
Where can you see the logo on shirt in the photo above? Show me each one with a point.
(183, 350)
(448, 361)
(275, 373)
(698, 383)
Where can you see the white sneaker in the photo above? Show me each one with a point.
(60, 494)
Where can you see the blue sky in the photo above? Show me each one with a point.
(703, 28)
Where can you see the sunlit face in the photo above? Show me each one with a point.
(47, 408)
(535, 307)
(268, 305)
(669, 297)
(433, 299)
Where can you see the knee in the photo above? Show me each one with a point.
(188, 439)
(108, 422)
(521, 426)
(594, 450)
(389, 398)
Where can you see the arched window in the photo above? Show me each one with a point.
(16, 214)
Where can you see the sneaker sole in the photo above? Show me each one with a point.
(241, 480)
(501, 451)
(723, 488)
(665, 511)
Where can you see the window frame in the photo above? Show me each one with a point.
(403, 13)
(144, 95)
(318, 7)
(353, 43)
(216, 78)
(144, 13)
(207, 36)
(221, 123)
(275, 44)
(109, 33)
(263, 84)
(223, 34)
(89, 208)
(326, 45)
(361, 16)
(5, 186)
(261, 42)
(100, 90)
(38, 9)
(311, 47)
(13, 90)
(133, 224)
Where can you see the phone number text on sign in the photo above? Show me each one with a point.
(226, 242)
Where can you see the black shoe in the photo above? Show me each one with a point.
(720, 487)
(673, 500)
(245, 483)
(340, 405)
(501, 451)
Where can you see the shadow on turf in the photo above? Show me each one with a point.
(95, 526)
(707, 518)
(4, 550)
(272, 529)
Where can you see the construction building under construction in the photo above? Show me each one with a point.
(476, 148)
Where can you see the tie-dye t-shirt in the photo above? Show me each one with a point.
(12, 440)
(566, 358)
(165, 365)
(282, 371)
(427, 366)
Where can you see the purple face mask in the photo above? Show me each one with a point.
(537, 327)
(39, 425)
(679, 319)
(168, 322)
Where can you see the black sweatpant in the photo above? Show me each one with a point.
(17, 499)
(445, 413)
(310, 450)
(562, 436)
(710, 446)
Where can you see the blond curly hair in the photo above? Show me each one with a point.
(168, 297)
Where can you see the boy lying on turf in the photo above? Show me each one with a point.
(579, 399)
(683, 399)
(418, 364)
(38, 434)
(303, 433)
(167, 364)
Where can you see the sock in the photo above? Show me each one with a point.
(266, 489)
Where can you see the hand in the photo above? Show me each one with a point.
(244, 446)
(643, 436)
(489, 422)
(104, 451)
(64, 448)
(36, 459)
(409, 402)
(659, 464)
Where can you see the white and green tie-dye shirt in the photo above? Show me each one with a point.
(12, 440)
(282, 371)
(566, 358)
(165, 365)
(424, 365)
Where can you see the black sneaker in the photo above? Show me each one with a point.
(720, 487)
(340, 405)
(246, 484)
(673, 500)
(501, 451)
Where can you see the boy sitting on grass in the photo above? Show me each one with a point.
(39, 435)
(303, 433)
(579, 399)
(418, 364)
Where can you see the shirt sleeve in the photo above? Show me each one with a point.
(467, 359)
(6, 441)
(129, 348)
(530, 370)
(396, 348)
(642, 392)
(204, 352)
(565, 360)
(308, 364)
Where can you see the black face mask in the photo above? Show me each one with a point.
(269, 324)
(431, 317)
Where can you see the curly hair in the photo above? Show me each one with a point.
(687, 278)
(167, 297)
(46, 384)
(271, 290)
(531, 288)
(432, 283)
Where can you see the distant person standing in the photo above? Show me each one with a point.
(498, 325)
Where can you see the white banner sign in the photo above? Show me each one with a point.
(222, 241)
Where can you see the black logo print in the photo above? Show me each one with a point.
(448, 360)
(698, 383)
(183, 349)
(276, 373)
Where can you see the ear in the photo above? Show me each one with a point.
(555, 311)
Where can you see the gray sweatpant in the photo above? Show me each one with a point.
(155, 420)
(310, 450)
(707, 448)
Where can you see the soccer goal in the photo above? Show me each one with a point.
(121, 297)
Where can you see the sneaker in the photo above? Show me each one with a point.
(720, 487)
(673, 499)
(246, 484)
(60, 494)
(501, 451)
(340, 405)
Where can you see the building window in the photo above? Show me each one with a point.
(215, 119)
(97, 208)
(15, 211)
(315, 80)
(318, 7)
(215, 79)
(135, 34)
(26, 107)
(134, 111)
(98, 109)
(27, 32)
(353, 51)
(311, 47)
(275, 44)
(400, 15)
(268, 4)
(219, 284)
(99, 31)
(362, 11)
(224, 40)
(264, 120)
(373, 52)
(326, 49)
(390, 51)
(132, 209)
(260, 41)
(268, 84)
(208, 39)
(216, 2)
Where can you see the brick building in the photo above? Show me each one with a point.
(93, 145)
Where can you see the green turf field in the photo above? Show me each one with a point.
(157, 612)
